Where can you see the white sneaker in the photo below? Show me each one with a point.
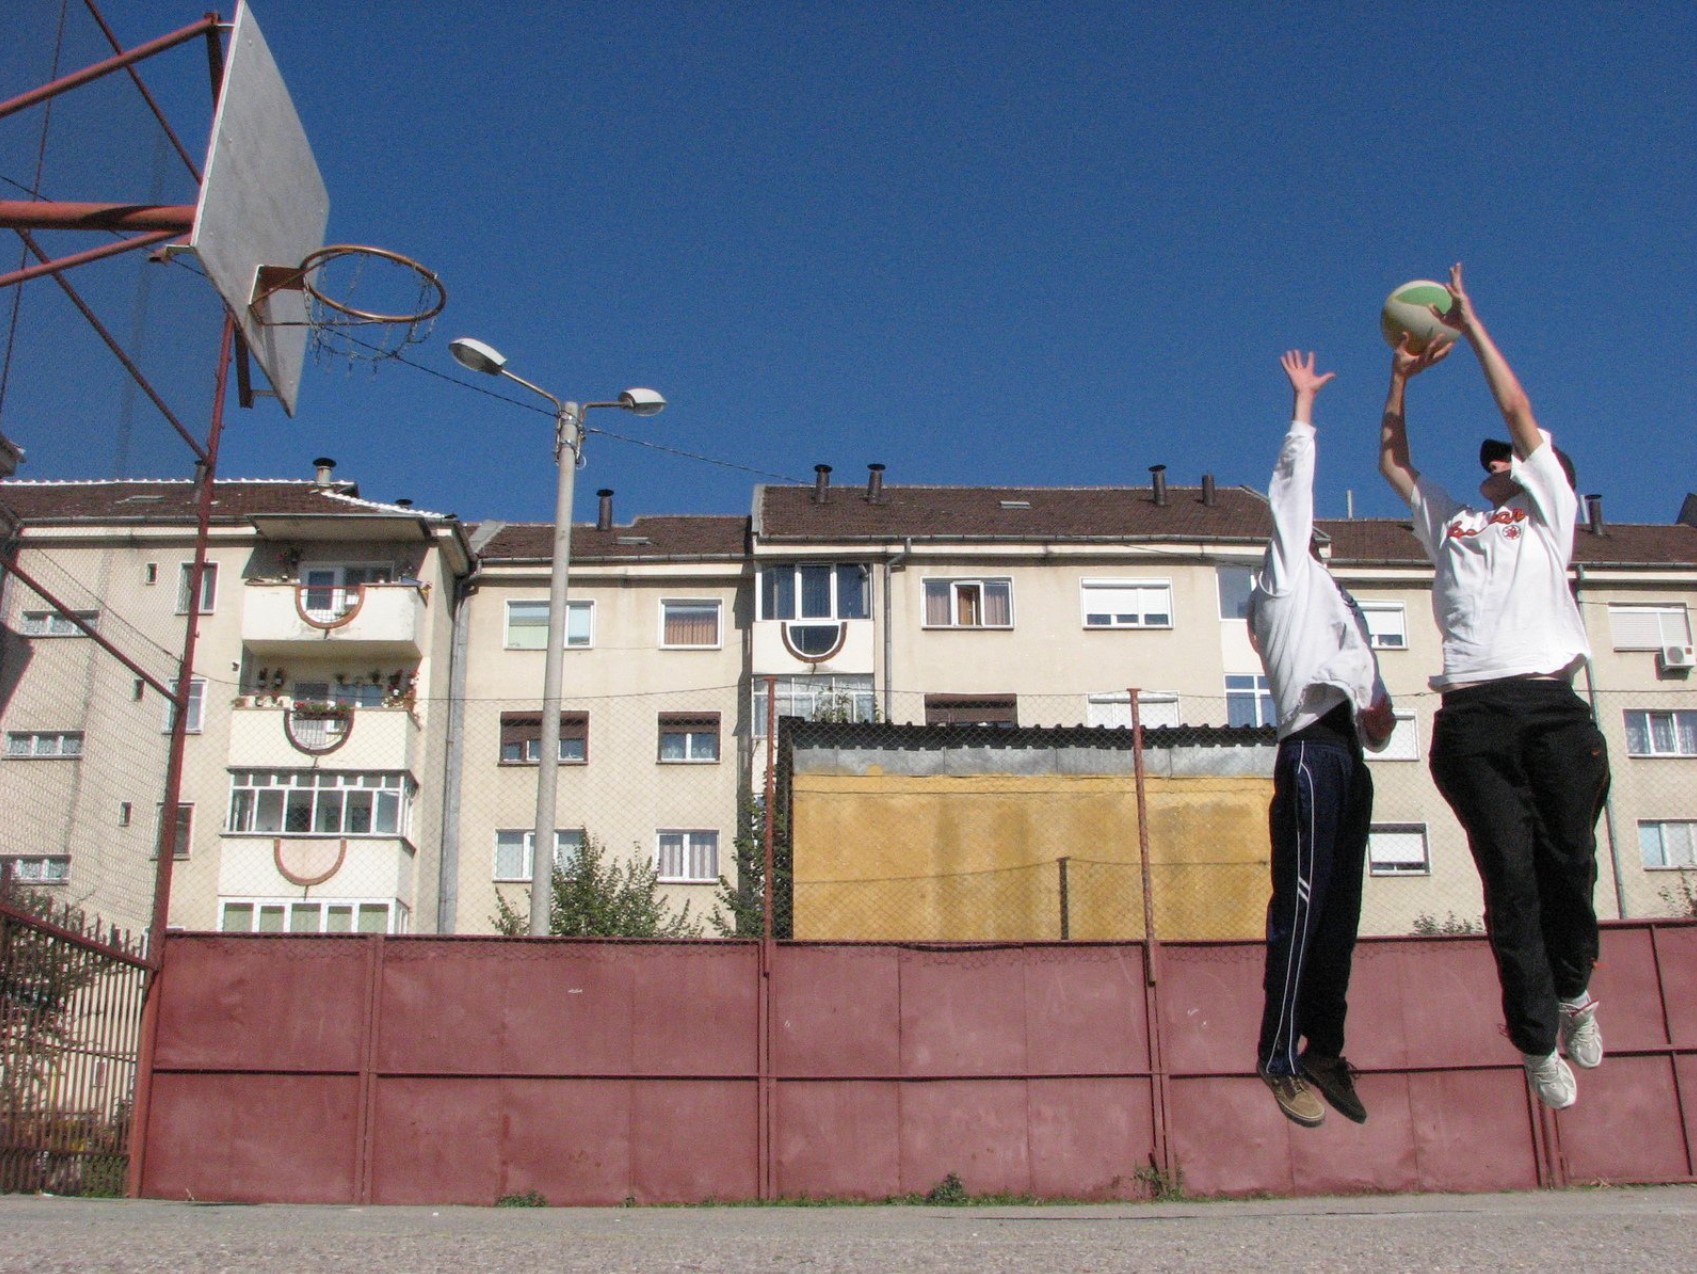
(1581, 1037)
(1551, 1080)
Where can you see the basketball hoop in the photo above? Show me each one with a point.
(362, 304)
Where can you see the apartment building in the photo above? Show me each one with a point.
(362, 728)
(314, 736)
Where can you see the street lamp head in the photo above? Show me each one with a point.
(477, 356)
(644, 402)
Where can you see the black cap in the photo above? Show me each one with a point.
(1494, 449)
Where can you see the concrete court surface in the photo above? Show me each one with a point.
(1620, 1228)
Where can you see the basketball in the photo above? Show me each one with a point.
(1407, 311)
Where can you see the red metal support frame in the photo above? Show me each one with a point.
(206, 473)
(1158, 1078)
(92, 254)
(208, 25)
(765, 1083)
(111, 341)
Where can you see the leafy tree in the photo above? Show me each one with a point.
(598, 898)
(742, 906)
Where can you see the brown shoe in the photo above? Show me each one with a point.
(1296, 1099)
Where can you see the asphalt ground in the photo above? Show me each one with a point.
(1621, 1228)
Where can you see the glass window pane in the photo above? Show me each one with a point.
(339, 918)
(358, 821)
(578, 623)
(388, 814)
(329, 813)
(374, 917)
(816, 592)
(777, 592)
(271, 918)
(303, 917)
(238, 917)
(851, 592)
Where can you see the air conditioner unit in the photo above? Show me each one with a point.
(1675, 658)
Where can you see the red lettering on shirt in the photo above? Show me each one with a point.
(1499, 517)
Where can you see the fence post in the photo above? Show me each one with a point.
(1066, 920)
(1160, 1112)
(767, 951)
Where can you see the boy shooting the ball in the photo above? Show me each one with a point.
(1515, 751)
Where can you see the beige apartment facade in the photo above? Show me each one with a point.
(361, 746)
(313, 740)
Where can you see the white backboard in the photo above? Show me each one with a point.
(262, 203)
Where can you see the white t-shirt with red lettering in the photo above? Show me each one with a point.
(1500, 593)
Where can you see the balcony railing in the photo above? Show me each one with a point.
(278, 735)
(384, 620)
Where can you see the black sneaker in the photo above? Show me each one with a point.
(1334, 1078)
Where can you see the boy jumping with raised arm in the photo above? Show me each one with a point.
(1325, 683)
(1515, 751)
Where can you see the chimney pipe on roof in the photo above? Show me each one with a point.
(325, 467)
(874, 483)
(821, 483)
(604, 515)
(1208, 489)
(1594, 513)
(1158, 478)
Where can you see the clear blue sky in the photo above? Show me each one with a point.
(981, 243)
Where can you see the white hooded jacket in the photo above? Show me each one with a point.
(1311, 635)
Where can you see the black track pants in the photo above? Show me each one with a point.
(1525, 769)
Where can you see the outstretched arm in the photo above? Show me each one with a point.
(1505, 385)
(1393, 427)
(1306, 383)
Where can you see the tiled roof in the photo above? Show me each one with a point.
(170, 502)
(1382, 540)
(1014, 513)
(676, 538)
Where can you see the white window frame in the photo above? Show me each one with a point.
(44, 745)
(1137, 614)
(531, 745)
(964, 584)
(1683, 721)
(1649, 625)
(580, 625)
(1404, 744)
(1112, 709)
(197, 709)
(1260, 692)
(346, 580)
(520, 842)
(1387, 624)
(1653, 847)
(688, 848)
(1247, 574)
(392, 793)
(294, 911)
(691, 727)
(208, 588)
(185, 821)
(801, 696)
(51, 623)
(694, 603)
(1388, 852)
(767, 585)
(37, 869)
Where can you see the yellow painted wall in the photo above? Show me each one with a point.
(977, 857)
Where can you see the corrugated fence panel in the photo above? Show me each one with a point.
(443, 1070)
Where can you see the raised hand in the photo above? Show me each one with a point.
(1300, 368)
(1460, 314)
(1405, 362)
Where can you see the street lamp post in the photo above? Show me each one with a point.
(568, 450)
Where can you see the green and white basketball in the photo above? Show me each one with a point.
(1408, 310)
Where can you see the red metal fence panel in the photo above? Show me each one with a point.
(444, 1070)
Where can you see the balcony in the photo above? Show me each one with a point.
(271, 736)
(789, 647)
(384, 621)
